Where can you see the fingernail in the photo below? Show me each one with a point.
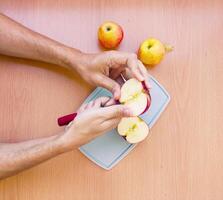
(117, 98)
(147, 85)
(116, 94)
(141, 78)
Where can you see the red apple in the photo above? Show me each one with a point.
(134, 96)
(110, 35)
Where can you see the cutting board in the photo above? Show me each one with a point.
(110, 148)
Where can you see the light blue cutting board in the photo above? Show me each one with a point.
(107, 150)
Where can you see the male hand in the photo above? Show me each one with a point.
(102, 69)
(94, 119)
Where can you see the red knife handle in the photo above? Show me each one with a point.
(65, 120)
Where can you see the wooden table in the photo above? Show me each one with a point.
(183, 157)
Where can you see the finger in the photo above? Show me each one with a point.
(104, 101)
(89, 105)
(101, 101)
(110, 102)
(109, 84)
(92, 104)
(118, 59)
(144, 73)
(110, 124)
(132, 63)
(142, 69)
(82, 108)
(69, 125)
(127, 74)
(122, 58)
(116, 111)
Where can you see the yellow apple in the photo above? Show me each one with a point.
(110, 35)
(152, 51)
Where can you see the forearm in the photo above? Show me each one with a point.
(19, 41)
(16, 157)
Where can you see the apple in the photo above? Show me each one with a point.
(133, 129)
(110, 35)
(152, 51)
(135, 97)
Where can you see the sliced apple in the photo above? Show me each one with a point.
(134, 96)
(133, 129)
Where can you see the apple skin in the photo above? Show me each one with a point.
(110, 35)
(145, 87)
(148, 104)
(149, 97)
(151, 51)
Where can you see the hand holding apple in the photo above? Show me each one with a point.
(93, 119)
(103, 68)
(136, 101)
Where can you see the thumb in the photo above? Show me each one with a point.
(111, 85)
(116, 111)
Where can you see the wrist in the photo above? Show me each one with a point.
(74, 59)
(69, 58)
(77, 60)
(60, 145)
(68, 140)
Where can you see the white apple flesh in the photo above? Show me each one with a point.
(133, 95)
(133, 129)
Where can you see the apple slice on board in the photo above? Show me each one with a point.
(133, 129)
(134, 96)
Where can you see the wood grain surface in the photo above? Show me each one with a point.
(183, 157)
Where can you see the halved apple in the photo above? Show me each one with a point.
(133, 129)
(134, 96)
